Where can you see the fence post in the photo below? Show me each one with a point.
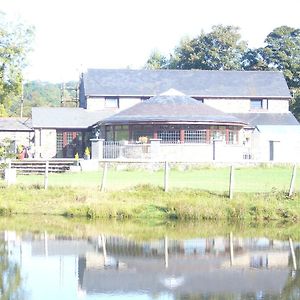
(46, 175)
(292, 184)
(103, 181)
(166, 253)
(231, 182)
(166, 177)
(293, 254)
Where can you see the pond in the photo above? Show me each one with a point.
(91, 262)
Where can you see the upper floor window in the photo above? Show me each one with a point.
(112, 102)
(258, 104)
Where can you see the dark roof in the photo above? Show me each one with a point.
(67, 117)
(125, 82)
(166, 108)
(15, 124)
(254, 119)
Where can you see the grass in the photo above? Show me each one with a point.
(250, 180)
(150, 203)
(141, 230)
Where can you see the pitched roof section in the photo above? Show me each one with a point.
(172, 109)
(124, 82)
(15, 124)
(67, 117)
(254, 119)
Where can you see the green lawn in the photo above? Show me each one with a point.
(259, 179)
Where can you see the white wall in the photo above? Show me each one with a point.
(98, 103)
(45, 143)
(243, 105)
(286, 146)
(128, 102)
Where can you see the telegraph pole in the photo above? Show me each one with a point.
(22, 100)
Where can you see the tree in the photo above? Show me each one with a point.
(10, 279)
(156, 61)
(220, 49)
(282, 52)
(15, 40)
(254, 59)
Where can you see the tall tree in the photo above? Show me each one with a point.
(15, 40)
(220, 49)
(282, 52)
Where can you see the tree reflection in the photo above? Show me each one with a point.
(10, 281)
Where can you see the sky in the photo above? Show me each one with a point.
(73, 35)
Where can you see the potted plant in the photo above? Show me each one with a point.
(87, 153)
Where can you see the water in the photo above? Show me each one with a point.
(110, 266)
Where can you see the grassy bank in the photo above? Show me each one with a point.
(149, 203)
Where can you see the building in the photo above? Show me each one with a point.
(16, 132)
(244, 111)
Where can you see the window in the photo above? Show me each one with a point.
(112, 102)
(195, 136)
(256, 103)
(169, 136)
(232, 137)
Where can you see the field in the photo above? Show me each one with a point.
(249, 180)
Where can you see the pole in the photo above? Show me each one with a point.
(292, 184)
(231, 182)
(293, 254)
(166, 177)
(103, 181)
(46, 175)
(231, 248)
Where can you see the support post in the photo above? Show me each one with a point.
(292, 184)
(293, 254)
(231, 248)
(103, 181)
(231, 182)
(166, 176)
(166, 253)
(46, 175)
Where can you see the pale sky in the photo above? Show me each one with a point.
(72, 35)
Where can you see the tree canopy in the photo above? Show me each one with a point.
(15, 41)
(223, 49)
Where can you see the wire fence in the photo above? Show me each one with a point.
(230, 179)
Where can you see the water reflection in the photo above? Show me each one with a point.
(112, 267)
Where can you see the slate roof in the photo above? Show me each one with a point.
(15, 124)
(67, 117)
(176, 108)
(201, 83)
(254, 119)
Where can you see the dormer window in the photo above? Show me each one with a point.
(257, 104)
(112, 102)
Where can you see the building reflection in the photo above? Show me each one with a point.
(201, 266)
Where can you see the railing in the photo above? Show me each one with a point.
(113, 150)
(37, 166)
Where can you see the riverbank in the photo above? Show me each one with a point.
(149, 203)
